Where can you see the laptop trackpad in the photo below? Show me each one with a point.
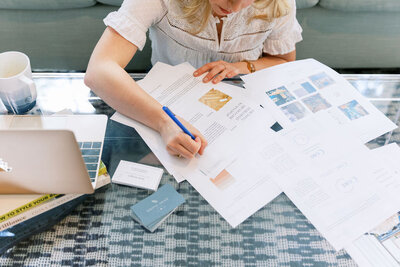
(38, 122)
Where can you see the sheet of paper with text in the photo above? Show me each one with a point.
(221, 112)
(337, 182)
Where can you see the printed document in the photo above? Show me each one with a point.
(308, 89)
(243, 187)
(221, 112)
(334, 180)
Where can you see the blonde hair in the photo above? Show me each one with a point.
(197, 12)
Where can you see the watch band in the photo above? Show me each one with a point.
(250, 66)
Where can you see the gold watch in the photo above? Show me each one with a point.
(250, 66)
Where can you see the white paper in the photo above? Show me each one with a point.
(244, 187)
(367, 251)
(220, 112)
(380, 246)
(334, 180)
(308, 89)
(137, 175)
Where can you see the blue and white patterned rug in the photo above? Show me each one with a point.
(101, 232)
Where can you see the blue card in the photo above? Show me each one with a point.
(151, 211)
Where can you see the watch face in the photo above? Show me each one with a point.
(253, 69)
(250, 66)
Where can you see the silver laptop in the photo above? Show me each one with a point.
(50, 154)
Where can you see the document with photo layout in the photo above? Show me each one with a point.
(308, 89)
(222, 113)
(243, 187)
(334, 180)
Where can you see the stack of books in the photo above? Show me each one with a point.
(22, 215)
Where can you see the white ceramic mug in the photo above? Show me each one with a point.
(17, 89)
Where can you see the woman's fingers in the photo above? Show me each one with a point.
(213, 72)
(213, 68)
(220, 76)
(180, 151)
(203, 142)
(184, 146)
(189, 144)
(207, 67)
(217, 71)
(199, 138)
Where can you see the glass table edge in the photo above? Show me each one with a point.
(142, 75)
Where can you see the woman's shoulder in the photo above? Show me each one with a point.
(140, 5)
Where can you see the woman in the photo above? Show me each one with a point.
(222, 38)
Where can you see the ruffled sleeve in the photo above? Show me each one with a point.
(285, 34)
(134, 18)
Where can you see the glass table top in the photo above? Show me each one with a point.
(98, 230)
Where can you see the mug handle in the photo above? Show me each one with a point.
(31, 85)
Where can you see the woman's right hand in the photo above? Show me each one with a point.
(179, 143)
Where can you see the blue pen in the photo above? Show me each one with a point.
(172, 116)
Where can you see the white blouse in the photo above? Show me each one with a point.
(172, 42)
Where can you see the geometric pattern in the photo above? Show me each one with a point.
(101, 232)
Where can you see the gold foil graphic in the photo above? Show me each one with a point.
(215, 99)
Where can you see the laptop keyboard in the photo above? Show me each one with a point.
(90, 153)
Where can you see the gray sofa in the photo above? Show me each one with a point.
(60, 35)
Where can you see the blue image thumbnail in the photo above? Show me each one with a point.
(280, 96)
(321, 80)
(309, 88)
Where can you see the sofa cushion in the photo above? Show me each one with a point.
(45, 4)
(299, 3)
(305, 3)
(361, 5)
(111, 2)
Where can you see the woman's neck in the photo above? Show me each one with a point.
(218, 16)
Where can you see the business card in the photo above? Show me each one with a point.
(154, 209)
(137, 175)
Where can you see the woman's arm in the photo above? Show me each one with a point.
(106, 76)
(268, 61)
(219, 70)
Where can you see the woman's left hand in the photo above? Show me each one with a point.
(217, 71)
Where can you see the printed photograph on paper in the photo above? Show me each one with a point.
(353, 110)
(388, 229)
(223, 180)
(280, 96)
(321, 80)
(388, 234)
(316, 103)
(294, 111)
(305, 89)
